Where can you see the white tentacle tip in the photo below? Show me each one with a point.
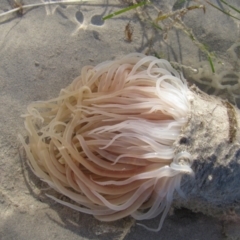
(182, 162)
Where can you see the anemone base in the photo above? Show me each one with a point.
(212, 138)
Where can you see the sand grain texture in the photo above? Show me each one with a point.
(40, 54)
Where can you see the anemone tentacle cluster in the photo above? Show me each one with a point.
(106, 141)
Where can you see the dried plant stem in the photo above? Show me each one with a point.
(28, 6)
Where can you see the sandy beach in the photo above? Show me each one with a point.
(43, 49)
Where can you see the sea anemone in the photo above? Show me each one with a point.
(106, 142)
